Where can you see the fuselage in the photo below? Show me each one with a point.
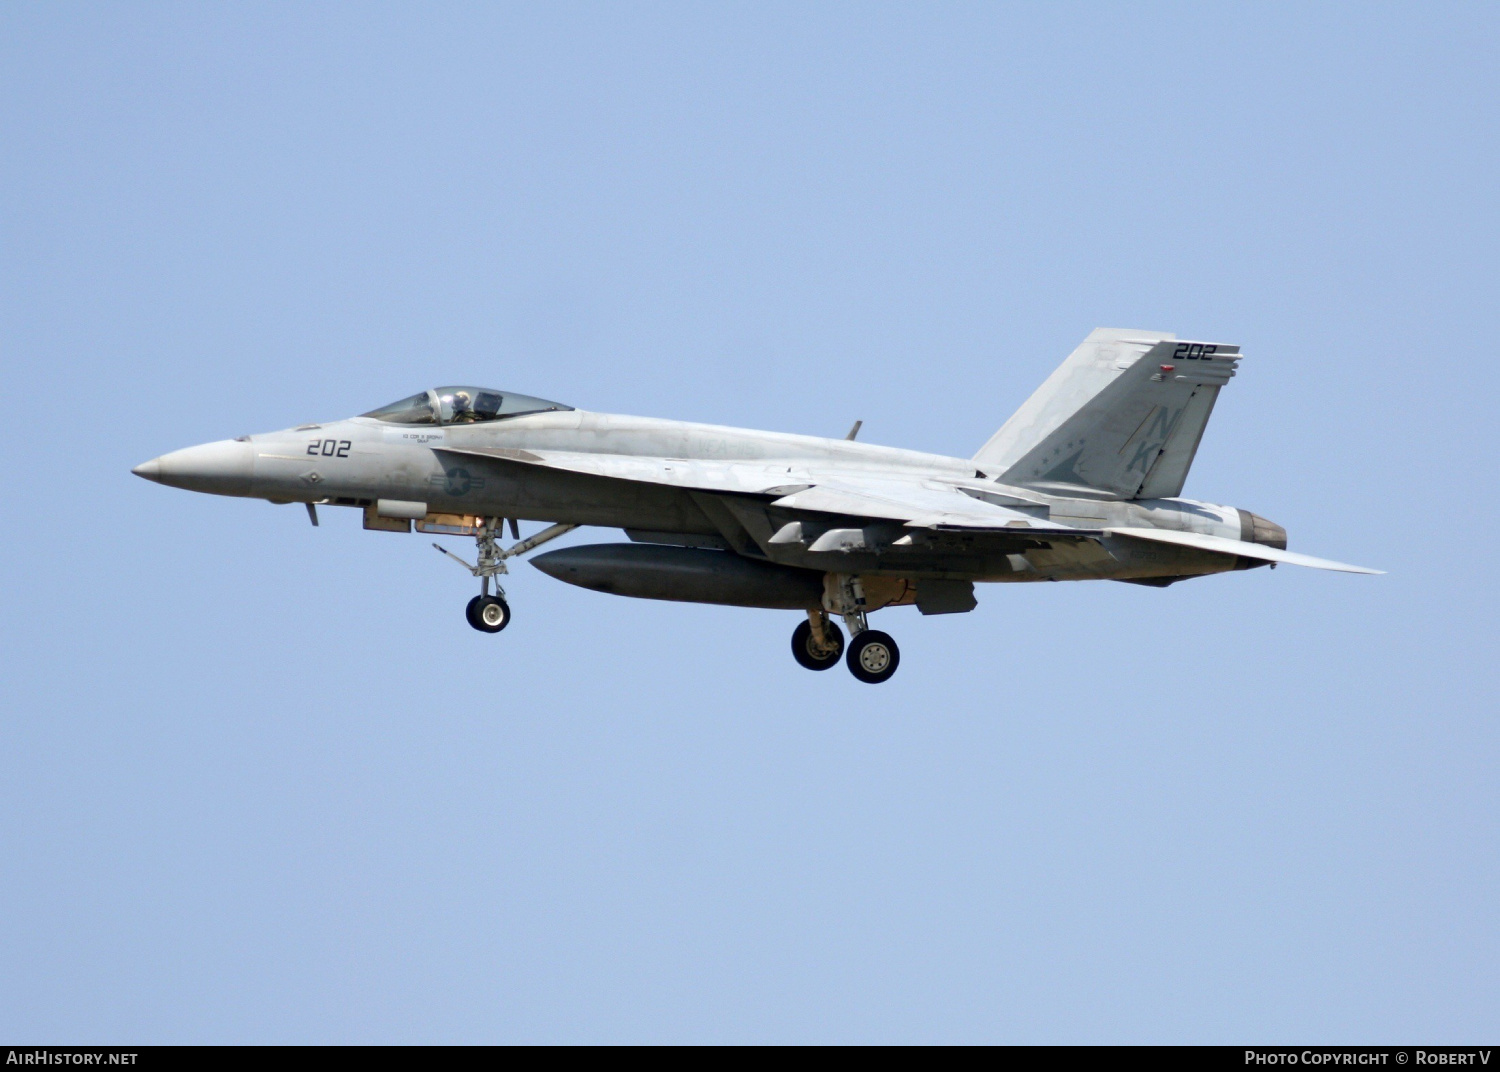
(363, 460)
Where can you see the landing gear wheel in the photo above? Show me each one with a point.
(488, 614)
(873, 656)
(806, 651)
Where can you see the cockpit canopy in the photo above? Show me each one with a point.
(461, 405)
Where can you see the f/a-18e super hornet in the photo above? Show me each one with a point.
(1082, 483)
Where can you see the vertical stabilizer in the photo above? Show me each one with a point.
(1123, 415)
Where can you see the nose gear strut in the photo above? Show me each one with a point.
(490, 613)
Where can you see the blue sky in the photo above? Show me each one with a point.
(262, 782)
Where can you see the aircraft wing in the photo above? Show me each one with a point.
(753, 478)
(914, 499)
(1237, 547)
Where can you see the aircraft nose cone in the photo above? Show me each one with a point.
(148, 470)
(222, 468)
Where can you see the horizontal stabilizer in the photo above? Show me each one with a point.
(1238, 547)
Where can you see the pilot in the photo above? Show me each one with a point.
(463, 408)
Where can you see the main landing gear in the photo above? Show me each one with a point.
(813, 651)
(491, 613)
(872, 656)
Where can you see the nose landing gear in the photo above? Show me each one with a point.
(491, 613)
(488, 614)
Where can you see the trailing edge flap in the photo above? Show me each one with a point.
(1223, 545)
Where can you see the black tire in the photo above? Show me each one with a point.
(802, 646)
(873, 657)
(488, 614)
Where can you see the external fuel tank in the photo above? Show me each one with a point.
(683, 574)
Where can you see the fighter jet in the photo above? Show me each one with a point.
(1084, 482)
